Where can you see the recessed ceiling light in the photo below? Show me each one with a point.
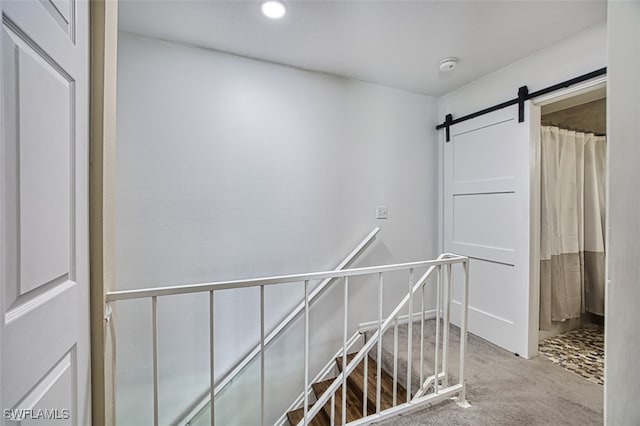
(448, 64)
(274, 9)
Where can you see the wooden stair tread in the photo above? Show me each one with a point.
(355, 382)
(354, 404)
(355, 391)
(296, 416)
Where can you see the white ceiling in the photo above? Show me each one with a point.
(396, 43)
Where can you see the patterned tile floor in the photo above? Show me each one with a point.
(579, 351)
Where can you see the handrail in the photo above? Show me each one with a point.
(257, 282)
(443, 259)
(286, 322)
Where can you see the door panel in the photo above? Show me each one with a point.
(493, 211)
(43, 108)
(56, 389)
(63, 13)
(486, 217)
(44, 326)
(468, 154)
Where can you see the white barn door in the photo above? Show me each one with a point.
(44, 276)
(487, 199)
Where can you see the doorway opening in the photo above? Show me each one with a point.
(572, 208)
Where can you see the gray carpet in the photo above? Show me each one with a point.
(503, 389)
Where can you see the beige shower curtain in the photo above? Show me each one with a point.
(572, 224)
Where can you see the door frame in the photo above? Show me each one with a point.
(534, 118)
(103, 18)
(2, 231)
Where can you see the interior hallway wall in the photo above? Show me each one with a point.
(233, 168)
(622, 340)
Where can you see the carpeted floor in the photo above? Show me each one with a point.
(579, 351)
(502, 389)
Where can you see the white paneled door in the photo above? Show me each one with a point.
(487, 199)
(44, 299)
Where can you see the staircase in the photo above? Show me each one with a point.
(363, 404)
(355, 395)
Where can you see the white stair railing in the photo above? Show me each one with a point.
(277, 331)
(440, 393)
(423, 396)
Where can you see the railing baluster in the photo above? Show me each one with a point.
(378, 372)
(421, 337)
(262, 406)
(445, 325)
(212, 384)
(306, 351)
(154, 328)
(395, 362)
(463, 330)
(447, 319)
(344, 352)
(410, 336)
(436, 369)
(365, 385)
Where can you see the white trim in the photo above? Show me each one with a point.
(571, 91)
(534, 229)
(2, 218)
(481, 312)
(402, 319)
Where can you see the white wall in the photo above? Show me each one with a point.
(233, 168)
(622, 340)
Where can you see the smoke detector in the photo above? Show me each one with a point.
(448, 64)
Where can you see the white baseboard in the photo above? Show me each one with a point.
(402, 319)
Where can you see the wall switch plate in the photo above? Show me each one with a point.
(382, 212)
